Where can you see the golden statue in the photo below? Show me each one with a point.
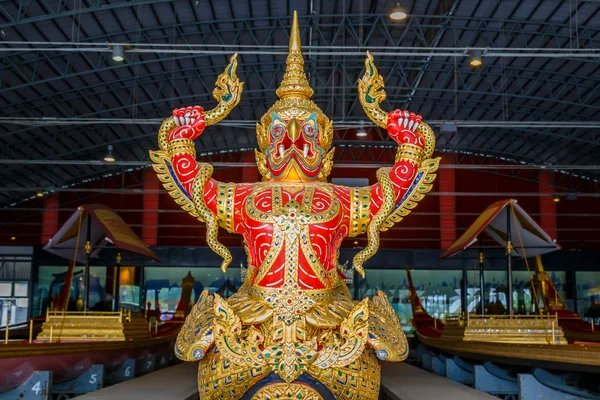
(292, 329)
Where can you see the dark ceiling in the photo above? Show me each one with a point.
(74, 80)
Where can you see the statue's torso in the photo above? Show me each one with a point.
(293, 232)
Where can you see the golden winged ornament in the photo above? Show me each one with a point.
(292, 328)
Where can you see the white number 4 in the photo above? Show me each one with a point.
(37, 388)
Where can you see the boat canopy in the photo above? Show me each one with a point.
(525, 232)
(106, 226)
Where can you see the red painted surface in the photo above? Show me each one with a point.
(547, 204)
(446, 184)
(151, 206)
(50, 218)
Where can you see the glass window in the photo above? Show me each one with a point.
(21, 289)
(5, 289)
(439, 291)
(163, 285)
(588, 294)
(52, 278)
(495, 290)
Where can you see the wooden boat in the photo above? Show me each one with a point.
(70, 343)
(532, 341)
(551, 337)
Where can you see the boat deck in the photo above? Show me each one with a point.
(399, 381)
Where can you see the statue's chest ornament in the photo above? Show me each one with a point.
(291, 226)
(293, 221)
(293, 215)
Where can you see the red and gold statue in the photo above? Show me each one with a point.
(293, 329)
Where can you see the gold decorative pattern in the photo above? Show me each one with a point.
(358, 380)
(164, 170)
(179, 146)
(225, 203)
(417, 191)
(286, 391)
(212, 226)
(410, 152)
(353, 334)
(227, 92)
(222, 379)
(196, 335)
(371, 93)
(385, 330)
(389, 197)
(360, 210)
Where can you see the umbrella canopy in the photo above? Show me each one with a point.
(525, 232)
(105, 226)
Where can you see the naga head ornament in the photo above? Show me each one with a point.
(294, 135)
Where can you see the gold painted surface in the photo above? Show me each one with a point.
(386, 334)
(523, 329)
(93, 326)
(286, 391)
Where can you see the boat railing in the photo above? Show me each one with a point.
(122, 315)
(464, 319)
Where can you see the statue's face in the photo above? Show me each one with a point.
(294, 153)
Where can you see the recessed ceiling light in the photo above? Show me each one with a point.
(13, 238)
(39, 194)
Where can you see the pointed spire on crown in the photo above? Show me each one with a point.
(294, 83)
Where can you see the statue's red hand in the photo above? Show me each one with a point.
(403, 127)
(190, 123)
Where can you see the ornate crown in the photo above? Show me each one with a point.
(294, 96)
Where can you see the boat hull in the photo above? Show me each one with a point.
(67, 361)
(571, 357)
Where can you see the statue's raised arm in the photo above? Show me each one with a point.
(400, 187)
(189, 182)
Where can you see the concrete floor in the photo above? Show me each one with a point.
(178, 382)
(399, 381)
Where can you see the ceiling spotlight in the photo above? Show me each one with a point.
(556, 198)
(109, 156)
(39, 194)
(118, 53)
(361, 132)
(398, 13)
(475, 58)
(13, 238)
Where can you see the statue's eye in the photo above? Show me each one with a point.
(277, 130)
(310, 130)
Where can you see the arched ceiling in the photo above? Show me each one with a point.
(81, 82)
